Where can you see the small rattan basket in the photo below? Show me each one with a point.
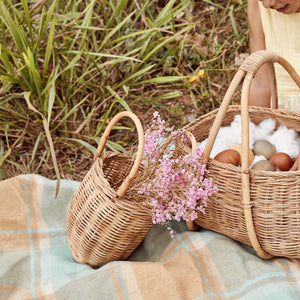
(257, 208)
(106, 221)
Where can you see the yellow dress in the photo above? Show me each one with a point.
(282, 35)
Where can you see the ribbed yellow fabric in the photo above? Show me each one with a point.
(282, 35)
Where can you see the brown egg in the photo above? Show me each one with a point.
(282, 161)
(264, 165)
(229, 156)
(238, 148)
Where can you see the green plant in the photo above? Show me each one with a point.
(67, 67)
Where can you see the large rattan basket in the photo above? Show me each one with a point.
(106, 221)
(257, 208)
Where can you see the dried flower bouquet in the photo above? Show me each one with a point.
(174, 183)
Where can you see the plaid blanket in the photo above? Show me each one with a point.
(35, 261)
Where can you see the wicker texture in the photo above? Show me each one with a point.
(258, 208)
(106, 221)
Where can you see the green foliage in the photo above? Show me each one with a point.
(68, 66)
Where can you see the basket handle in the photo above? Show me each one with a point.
(248, 69)
(169, 139)
(141, 142)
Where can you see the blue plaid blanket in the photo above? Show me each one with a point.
(35, 261)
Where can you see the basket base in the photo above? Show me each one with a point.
(192, 227)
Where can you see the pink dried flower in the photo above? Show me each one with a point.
(180, 186)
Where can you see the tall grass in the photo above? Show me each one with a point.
(66, 67)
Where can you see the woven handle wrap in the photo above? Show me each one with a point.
(248, 69)
(141, 142)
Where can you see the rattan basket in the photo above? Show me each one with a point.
(106, 221)
(257, 208)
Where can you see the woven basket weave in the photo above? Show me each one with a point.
(257, 208)
(106, 221)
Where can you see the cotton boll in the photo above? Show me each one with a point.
(264, 129)
(230, 136)
(220, 145)
(222, 141)
(236, 121)
(233, 136)
(236, 130)
(252, 129)
(236, 126)
(286, 140)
